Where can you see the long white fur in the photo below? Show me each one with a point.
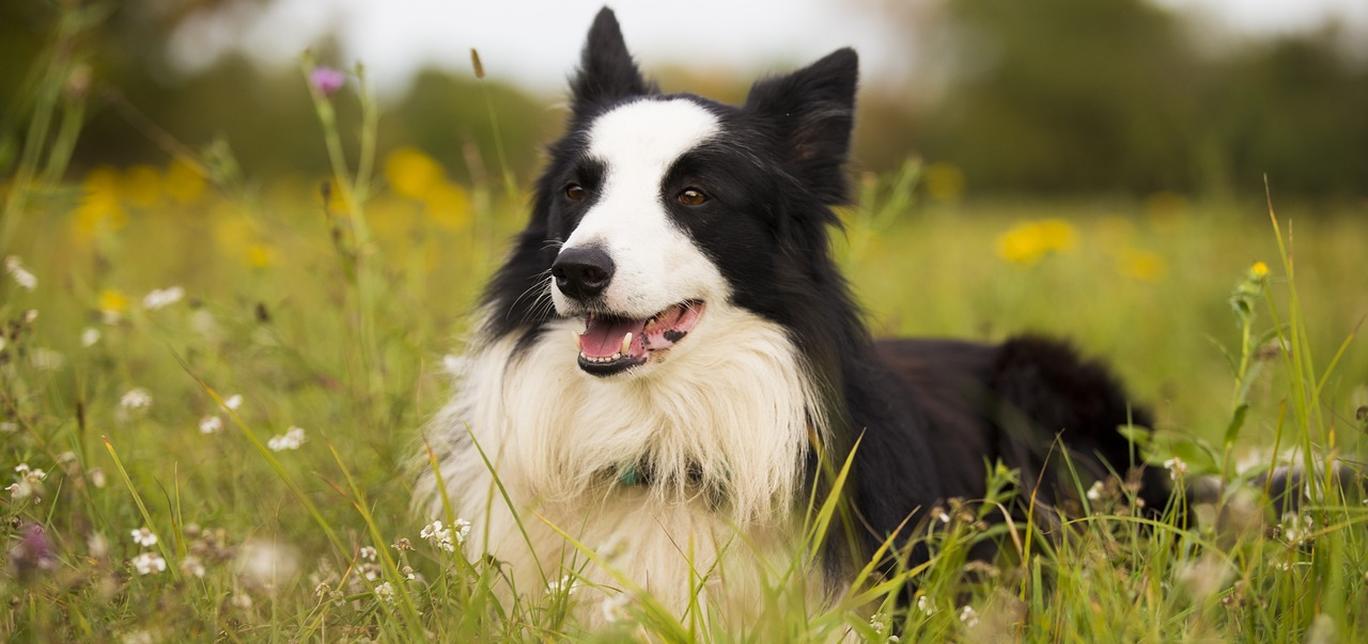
(733, 401)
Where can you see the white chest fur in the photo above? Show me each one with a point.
(728, 410)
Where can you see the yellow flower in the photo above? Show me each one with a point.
(183, 183)
(100, 208)
(260, 255)
(412, 173)
(1259, 270)
(112, 301)
(1027, 242)
(142, 186)
(944, 181)
(448, 205)
(1141, 265)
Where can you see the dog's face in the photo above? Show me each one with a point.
(659, 212)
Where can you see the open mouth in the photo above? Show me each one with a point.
(612, 344)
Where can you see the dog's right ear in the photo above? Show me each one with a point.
(606, 73)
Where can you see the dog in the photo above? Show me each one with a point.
(669, 366)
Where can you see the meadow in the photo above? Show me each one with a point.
(212, 387)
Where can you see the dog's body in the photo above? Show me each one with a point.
(718, 365)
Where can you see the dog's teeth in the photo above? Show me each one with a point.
(626, 342)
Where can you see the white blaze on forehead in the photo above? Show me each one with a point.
(657, 264)
(645, 137)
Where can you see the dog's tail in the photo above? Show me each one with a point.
(1044, 389)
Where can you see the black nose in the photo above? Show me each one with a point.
(582, 273)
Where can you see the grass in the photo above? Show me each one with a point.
(333, 312)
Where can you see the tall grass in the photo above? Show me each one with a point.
(337, 323)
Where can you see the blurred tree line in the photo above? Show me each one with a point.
(1044, 97)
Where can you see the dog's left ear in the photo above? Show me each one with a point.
(606, 73)
(813, 111)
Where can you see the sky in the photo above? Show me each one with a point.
(535, 44)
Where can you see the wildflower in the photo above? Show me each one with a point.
(940, 515)
(28, 481)
(1028, 242)
(968, 617)
(926, 606)
(97, 477)
(210, 424)
(408, 573)
(89, 336)
(291, 439)
(233, 402)
(322, 590)
(163, 297)
(1095, 492)
(462, 530)
(385, 592)
(326, 80)
(402, 544)
(33, 552)
(242, 601)
(1258, 271)
(412, 173)
(112, 305)
(15, 267)
(144, 537)
(876, 622)
(1296, 527)
(368, 553)
(191, 565)
(1176, 467)
(566, 584)
(182, 182)
(135, 399)
(440, 537)
(149, 563)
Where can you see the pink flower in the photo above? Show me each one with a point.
(327, 80)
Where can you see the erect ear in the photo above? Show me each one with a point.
(813, 111)
(606, 73)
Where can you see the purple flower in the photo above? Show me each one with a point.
(33, 552)
(327, 80)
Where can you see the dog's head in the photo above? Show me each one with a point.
(657, 212)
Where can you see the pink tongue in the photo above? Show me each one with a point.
(604, 337)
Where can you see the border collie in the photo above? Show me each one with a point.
(669, 360)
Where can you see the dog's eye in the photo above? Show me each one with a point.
(575, 192)
(691, 197)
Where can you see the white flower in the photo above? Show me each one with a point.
(925, 605)
(265, 564)
(968, 616)
(148, 563)
(191, 565)
(368, 553)
(21, 275)
(144, 537)
(136, 398)
(442, 537)
(89, 336)
(385, 592)
(210, 424)
(291, 439)
(565, 584)
(233, 402)
(1176, 467)
(97, 477)
(28, 481)
(1095, 492)
(163, 297)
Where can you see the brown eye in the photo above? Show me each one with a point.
(691, 197)
(574, 192)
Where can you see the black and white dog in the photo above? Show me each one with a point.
(670, 346)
